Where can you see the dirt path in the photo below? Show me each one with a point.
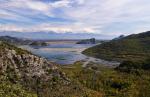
(100, 61)
(87, 62)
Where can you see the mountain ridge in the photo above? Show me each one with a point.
(54, 35)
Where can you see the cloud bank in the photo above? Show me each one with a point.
(109, 17)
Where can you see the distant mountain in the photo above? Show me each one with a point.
(14, 40)
(132, 47)
(22, 41)
(55, 35)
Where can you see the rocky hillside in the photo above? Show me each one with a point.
(22, 63)
(25, 75)
(132, 47)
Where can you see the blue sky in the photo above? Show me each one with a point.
(106, 17)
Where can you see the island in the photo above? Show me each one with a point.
(38, 43)
(87, 41)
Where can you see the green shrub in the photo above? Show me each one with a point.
(146, 65)
(119, 85)
(130, 67)
(8, 89)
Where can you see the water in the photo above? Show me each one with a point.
(66, 53)
(60, 53)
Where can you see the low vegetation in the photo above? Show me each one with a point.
(8, 89)
(25, 75)
(110, 82)
(133, 47)
(132, 77)
(4, 45)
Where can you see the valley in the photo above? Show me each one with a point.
(59, 69)
(74, 48)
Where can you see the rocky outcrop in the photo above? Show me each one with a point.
(21, 66)
(23, 74)
(87, 41)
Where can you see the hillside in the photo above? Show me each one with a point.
(14, 40)
(19, 41)
(25, 75)
(132, 47)
(118, 82)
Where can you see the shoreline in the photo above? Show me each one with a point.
(56, 58)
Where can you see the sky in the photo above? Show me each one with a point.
(104, 17)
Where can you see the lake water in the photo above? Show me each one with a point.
(60, 53)
(64, 53)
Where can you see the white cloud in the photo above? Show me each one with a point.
(10, 27)
(46, 28)
(102, 13)
(39, 6)
(96, 16)
(62, 3)
(28, 7)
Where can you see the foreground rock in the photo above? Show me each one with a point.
(23, 64)
(22, 71)
(23, 74)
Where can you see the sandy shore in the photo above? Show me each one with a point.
(62, 42)
(63, 49)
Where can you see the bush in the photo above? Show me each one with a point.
(146, 65)
(120, 85)
(130, 66)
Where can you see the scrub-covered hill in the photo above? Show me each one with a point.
(25, 75)
(132, 47)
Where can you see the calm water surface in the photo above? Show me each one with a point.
(65, 53)
(60, 53)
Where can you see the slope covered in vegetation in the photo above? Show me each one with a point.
(25, 75)
(15, 40)
(133, 47)
(109, 82)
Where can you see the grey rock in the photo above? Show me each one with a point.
(27, 65)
